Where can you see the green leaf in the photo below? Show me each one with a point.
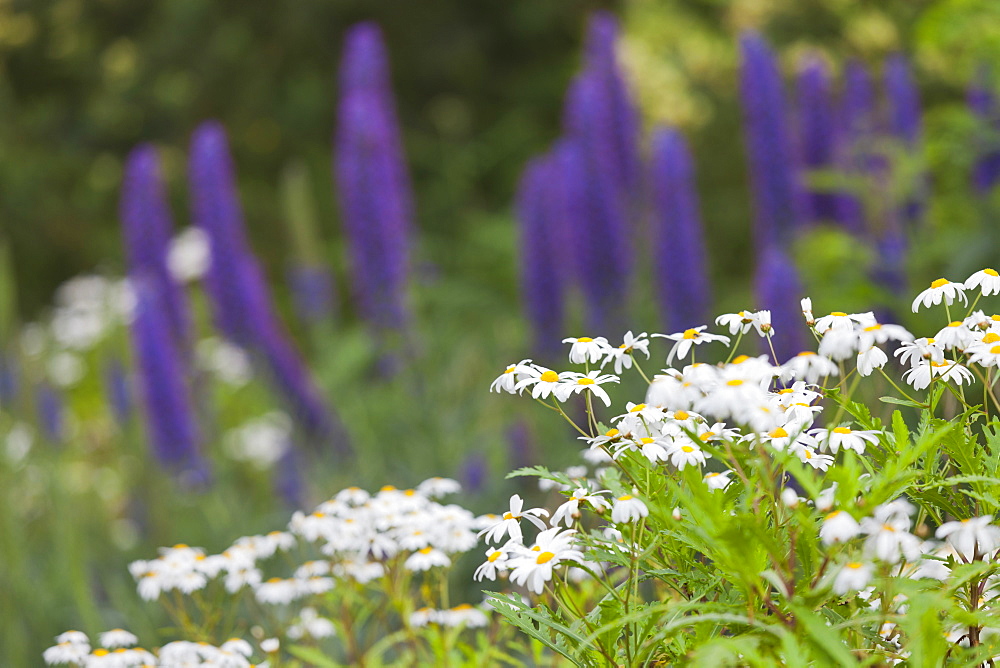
(313, 657)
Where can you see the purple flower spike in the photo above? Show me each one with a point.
(602, 62)
(237, 287)
(680, 260)
(858, 128)
(51, 412)
(170, 417)
(779, 290)
(773, 175)
(118, 389)
(313, 292)
(543, 276)
(906, 125)
(604, 254)
(817, 135)
(983, 105)
(147, 227)
(373, 187)
(288, 481)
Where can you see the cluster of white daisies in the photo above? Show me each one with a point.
(118, 650)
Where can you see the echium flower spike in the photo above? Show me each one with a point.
(240, 299)
(602, 62)
(817, 135)
(171, 422)
(773, 175)
(51, 409)
(983, 105)
(373, 187)
(604, 255)
(858, 127)
(779, 290)
(147, 228)
(906, 125)
(542, 276)
(679, 255)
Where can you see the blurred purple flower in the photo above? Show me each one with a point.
(8, 379)
(679, 257)
(779, 290)
(474, 472)
(818, 135)
(521, 449)
(905, 123)
(147, 228)
(288, 480)
(773, 173)
(51, 409)
(601, 62)
(117, 389)
(171, 422)
(855, 157)
(313, 292)
(603, 245)
(373, 187)
(983, 105)
(543, 276)
(238, 289)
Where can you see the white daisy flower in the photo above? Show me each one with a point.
(812, 458)
(854, 576)
(66, 652)
(971, 537)
(871, 359)
(569, 511)
(738, 323)
(510, 522)
(984, 355)
(845, 437)
(424, 616)
(879, 333)
(464, 615)
(622, 355)
(838, 527)
(533, 567)
(507, 381)
(841, 320)
(955, 335)
(435, 488)
(683, 341)
(716, 480)
(542, 381)
(686, 452)
(809, 366)
(920, 376)
(941, 289)
(590, 382)
(987, 280)
(277, 591)
(118, 638)
(889, 540)
(628, 508)
(914, 352)
(426, 559)
(586, 349)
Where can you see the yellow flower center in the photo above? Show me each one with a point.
(991, 337)
(957, 323)
(508, 515)
(805, 353)
(410, 492)
(273, 580)
(940, 283)
(180, 546)
(886, 527)
(636, 408)
(549, 377)
(388, 488)
(736, 382)
(585, 381)
(995, 350)
(464, 606)
(627, 497)
(785, 390)
(510, 369)
(873, 328)
(809, 455)
(706, 436)
(741, 359)
(778, 433)
(687, 448)
(941, 364)
(690, 333)
(646, 441)
(545, 557)
(991, 272)
(930, 339)
(496, 555)
(854, 565)
(842, 430)
(426, 550)
(833, 514)
(839, 314)
(681, 415)
(612, 433)
(101, 652)
(584, 339)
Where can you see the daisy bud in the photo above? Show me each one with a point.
(676, 514)
(790, 498)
